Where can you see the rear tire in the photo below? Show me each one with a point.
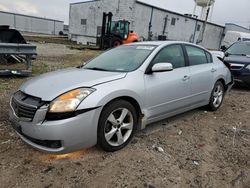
(116, 125)
(217, 96)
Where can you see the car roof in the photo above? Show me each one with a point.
(155, 43)
(163, 43)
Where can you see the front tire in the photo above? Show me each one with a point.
(116, 43)
(117, 125)
(217, 96)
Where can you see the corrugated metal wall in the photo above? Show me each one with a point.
(31, 24)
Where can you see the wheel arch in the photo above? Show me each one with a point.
(222, 80)
(129, 99)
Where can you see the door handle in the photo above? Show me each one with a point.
(185, 78)
(213, 70)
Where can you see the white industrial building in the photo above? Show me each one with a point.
(148, 21)
(31, 24)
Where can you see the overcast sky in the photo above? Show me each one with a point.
(233, 11)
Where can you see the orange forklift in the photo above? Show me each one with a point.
(115, 33)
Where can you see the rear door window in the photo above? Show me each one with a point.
(209, 57)
(196, 56)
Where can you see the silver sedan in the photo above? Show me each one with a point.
(105, 101)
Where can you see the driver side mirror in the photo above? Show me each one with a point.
(162, 67)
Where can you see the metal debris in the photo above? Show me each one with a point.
(15, 50)
(196, 163)
(180, 132)
(5, 142)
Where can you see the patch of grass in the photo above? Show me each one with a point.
(4, 84)
(13, 66)
(8, 83)
(50, 63)
(50, 39)
(83, 47)
(39, 68)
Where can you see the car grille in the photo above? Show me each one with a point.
(235, 66)
(25, 106)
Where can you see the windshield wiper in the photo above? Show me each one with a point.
(96, 68)
(247, 55)
(239, 54)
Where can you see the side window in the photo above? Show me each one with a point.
(196, 56)
(173, 21)
(83, 21)
(171, 54)
(198, 27)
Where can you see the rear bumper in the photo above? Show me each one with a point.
(61, 136)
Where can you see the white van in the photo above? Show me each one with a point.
(234, 36)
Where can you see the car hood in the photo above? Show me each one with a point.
(237, 59)
(51, 85)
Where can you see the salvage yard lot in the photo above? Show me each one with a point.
(195, 149)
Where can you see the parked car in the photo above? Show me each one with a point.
(238, 57)
(121, 90)
(232, 37)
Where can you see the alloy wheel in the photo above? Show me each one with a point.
(118, 127)
(218, 96)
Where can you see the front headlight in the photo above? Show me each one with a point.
(69, 101)
(248, 67)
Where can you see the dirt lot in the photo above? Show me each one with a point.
(195, 149)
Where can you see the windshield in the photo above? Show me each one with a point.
(121, 59)
(239, 48)
(120, 28)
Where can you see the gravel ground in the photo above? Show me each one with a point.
(194, 149)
